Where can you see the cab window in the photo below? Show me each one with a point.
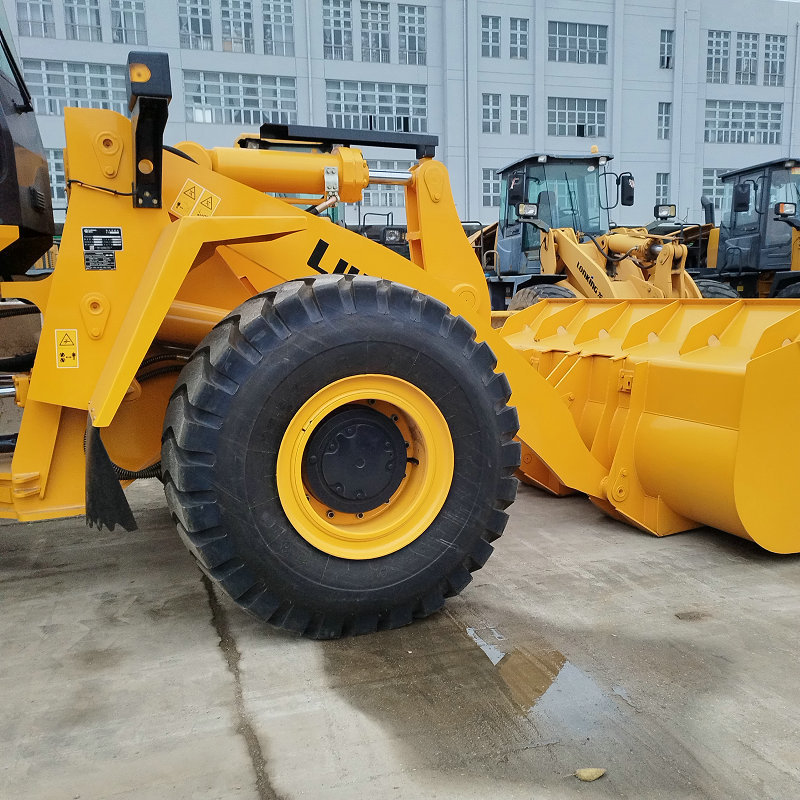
(747, 221)
(784, 188)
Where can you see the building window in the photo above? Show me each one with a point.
(278, 28)
(412, 34)
(375, 32)
(35, 18)
(747, 59)
(577, 42)
(377, 106)
(490, 37)
(774, 60)
(378, 196)
(713, 187)
(231, 98)
(490, 106)
(491, 187)
(664, 120)
(718, 57)
(576, 116)
(740, 122)
(58, 181)
(662, 188)
(237, 26)
(519, 114)
(82, 18)
(127, 22)
(55, 84)
(519, 38)
(194, 23)
(667, 49)
(337, 30)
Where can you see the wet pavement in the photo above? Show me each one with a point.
(583, 643)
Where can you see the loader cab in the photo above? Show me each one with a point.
(570, 191)
(26, 224)
(752, 239)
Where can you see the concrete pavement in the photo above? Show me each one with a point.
(671, 663)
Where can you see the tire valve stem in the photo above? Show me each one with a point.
(360, 515)
(371, 402)
(331, 515)
(395, 417)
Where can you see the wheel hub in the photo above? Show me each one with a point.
(355, 460)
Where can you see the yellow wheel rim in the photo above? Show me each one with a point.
(416, 502)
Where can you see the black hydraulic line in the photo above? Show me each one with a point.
(150, 360)
(609, 255)
(176, 152)
(153, 471)
(18, 312)
(19, 363)
(122, 474)
(98, 188)
(160, 371)
(8, 441)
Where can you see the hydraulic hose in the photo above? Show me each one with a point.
(18, 312)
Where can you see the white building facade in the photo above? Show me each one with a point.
(678, 90)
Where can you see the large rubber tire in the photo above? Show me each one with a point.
(716, 290)
(791, 291)
(224, 426)
(533, 294)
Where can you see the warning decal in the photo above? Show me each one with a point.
(207, 205)
(66, 348)
(194, 200)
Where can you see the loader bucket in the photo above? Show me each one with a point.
(690, 406)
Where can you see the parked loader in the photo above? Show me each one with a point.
(756, 248)
(563, 244)
(337, 427)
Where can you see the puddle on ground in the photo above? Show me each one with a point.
(474, 700)
(484, 697)
(545, 685)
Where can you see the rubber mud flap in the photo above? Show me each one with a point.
(106, 504)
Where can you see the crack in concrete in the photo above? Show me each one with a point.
(244, 725)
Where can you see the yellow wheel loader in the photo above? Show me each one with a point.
(337, 428)
(563, 244)
(555, 238)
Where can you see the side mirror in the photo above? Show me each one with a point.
(741, 198)
(665, 211)
(708, 209)
(528, 211)
(626, 189)
(786, 209)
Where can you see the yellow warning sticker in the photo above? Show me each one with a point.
(194, 200)
(207, 204)
(186, 199)
(66, 348)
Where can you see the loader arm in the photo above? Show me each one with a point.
(642, 266)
